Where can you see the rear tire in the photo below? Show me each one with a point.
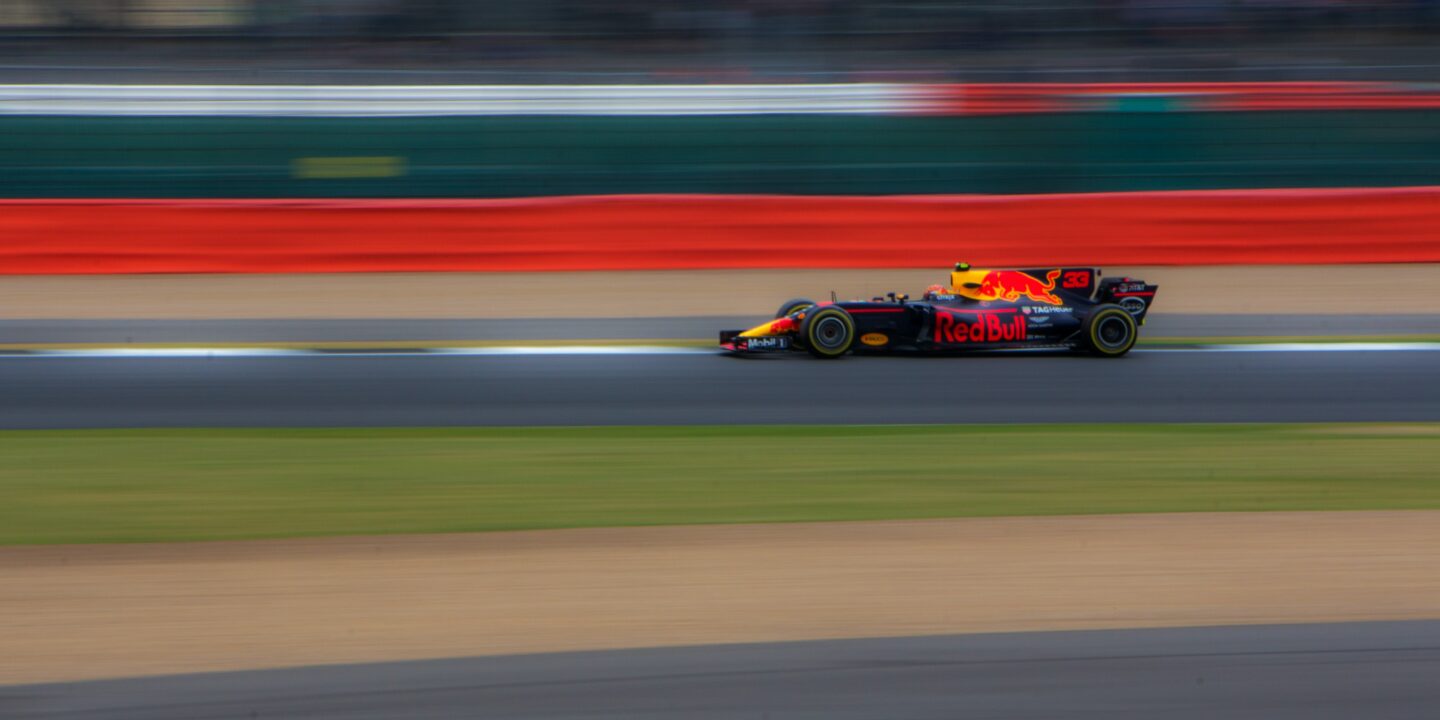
(828, 332)
(790, 306)
(1110, 331)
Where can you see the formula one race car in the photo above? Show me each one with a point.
(979, 310)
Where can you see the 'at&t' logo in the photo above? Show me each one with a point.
(986, 328)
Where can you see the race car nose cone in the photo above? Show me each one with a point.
(782, 326)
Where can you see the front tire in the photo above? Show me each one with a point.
(1110, 331)
(828, 332)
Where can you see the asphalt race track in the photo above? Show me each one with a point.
(1377, 671)
(697, 387)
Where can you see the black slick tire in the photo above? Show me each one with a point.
(1110, 331)
(828, 332)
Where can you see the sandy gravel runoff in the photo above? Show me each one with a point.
(78, 612)
(1358, 289)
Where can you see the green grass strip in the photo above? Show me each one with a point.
(176, 485)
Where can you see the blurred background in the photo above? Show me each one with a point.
(547, 41)
(1057, 120)
(1070, 137)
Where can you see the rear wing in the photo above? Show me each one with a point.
(1129, 293)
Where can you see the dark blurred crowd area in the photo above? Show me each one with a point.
(730, 40)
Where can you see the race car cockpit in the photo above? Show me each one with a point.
(965, 285)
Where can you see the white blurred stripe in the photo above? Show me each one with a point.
(577, 350)
(401, 100)
(160, 353)
(200, 352)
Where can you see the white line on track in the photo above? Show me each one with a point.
(519, 350)
(577, 350)
(1305, 347)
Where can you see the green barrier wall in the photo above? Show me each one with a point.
(801, 154)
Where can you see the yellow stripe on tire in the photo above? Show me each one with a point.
(814, 321)
(1096, 320)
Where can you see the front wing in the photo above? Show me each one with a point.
(730, 340)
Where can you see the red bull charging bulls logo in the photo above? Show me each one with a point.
(1009, 285)
(955, 329)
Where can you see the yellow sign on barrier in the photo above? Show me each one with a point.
(347, 168)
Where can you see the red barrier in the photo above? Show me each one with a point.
(712, 232)
(1026, 98)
